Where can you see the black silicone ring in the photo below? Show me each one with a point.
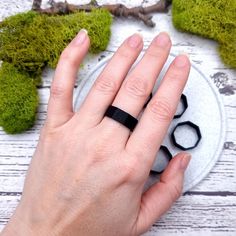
(122, 117)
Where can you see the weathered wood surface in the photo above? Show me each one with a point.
(210, 207)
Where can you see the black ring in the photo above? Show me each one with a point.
(122, 117)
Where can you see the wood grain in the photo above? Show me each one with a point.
(210, 207)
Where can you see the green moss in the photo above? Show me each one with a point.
(214, 19)
(31, 41)
(18, 100)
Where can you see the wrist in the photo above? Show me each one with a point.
(17, 226)
(21, 225)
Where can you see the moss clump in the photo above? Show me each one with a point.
(18, 99)
(31, 41)
(214, 19)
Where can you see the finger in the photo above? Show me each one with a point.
(139, 83)
(160, 197)
(108, 83)
(153, 125)
(60, 101)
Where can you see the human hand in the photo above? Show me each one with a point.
(88, 171)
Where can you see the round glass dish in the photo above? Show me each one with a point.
(205, 109)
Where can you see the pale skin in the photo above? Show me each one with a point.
(88, 171)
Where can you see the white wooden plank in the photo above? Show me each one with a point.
(199, 214)
(191, 215)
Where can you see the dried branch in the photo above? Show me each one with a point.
(36, 5)
(118, 10)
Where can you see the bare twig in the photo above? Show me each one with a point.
(118, 10)
(36, 5)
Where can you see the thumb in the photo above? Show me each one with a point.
(160, 197)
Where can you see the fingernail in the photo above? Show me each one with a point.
(181, 60)
(162, 39)
(185, 161)
(81, 36)
(135, 40)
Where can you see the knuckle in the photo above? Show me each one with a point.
(57, 90)
(65, 54)
(99, 150)
(106, 84)
(49, 135)
(154, 53)
(138, 153)
(67, 57)
(161, 110)
(175, 75)
(137, 87)
(125, 53)
(175, 191)
(129, 169)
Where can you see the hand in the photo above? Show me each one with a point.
(88, 171)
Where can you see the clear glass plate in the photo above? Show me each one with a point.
(205, 109)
